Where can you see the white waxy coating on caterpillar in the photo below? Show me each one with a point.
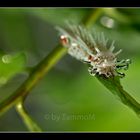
(93, 49)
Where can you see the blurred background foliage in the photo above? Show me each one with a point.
(27, 35)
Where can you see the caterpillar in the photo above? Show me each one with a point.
(92, 48)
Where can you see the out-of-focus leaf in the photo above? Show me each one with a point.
(10, 65)
(15, 33)
(58, 16)
(133, 15)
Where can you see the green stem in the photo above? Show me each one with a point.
(92, 17)
(38, 72)
(28, 121)
(41, 69)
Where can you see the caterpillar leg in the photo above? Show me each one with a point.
(121, 75)
(123, 64)
(92, 71)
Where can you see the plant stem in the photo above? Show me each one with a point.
(38, 72)
(92, 17)
(31, 125)
(42, 68)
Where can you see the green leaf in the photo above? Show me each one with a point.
(10, 65)
(113, 84)
(15, 30)
(59, 16)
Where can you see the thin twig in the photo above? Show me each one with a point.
(38, 72)
(28, 121)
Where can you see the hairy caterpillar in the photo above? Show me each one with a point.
(92, 48)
